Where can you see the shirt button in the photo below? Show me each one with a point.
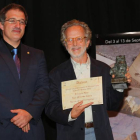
(20, 91)
(81, 128)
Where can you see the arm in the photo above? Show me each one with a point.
(5, 107)
(115, 97)
(112, 98)
(54, 107)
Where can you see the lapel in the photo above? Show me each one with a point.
(68, 72)
(94, 72)
(6, 55)
(25, 61)
(94, 69)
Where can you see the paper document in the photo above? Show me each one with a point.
(86, 90)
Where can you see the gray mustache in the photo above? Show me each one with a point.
(17, 29)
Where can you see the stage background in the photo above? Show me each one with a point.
(126, 122)
(47, 17)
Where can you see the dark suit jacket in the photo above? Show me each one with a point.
(75, 130)
(30, 92)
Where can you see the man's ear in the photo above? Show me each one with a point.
(65, 46)
(87, 43)
(1, 26)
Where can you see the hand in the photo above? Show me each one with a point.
(22, 117)
(113, 75)
(26, 128)
(128, 76)
(78, 109)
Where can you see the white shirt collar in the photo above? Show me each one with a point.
(75, 64)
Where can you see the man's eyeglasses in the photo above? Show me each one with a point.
(77, 39)
(14, 21)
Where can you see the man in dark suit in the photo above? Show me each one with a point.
(82, 122)
(24, 83)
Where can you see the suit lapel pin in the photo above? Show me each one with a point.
(28, 52)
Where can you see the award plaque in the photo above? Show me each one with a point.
(119, 70)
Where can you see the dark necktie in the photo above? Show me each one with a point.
(16, 60)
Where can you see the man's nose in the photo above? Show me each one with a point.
(74, 42)
(18, 23)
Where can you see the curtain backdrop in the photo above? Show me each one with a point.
(47, 16)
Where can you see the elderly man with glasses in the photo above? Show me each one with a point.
(83, 121)
(24, 82)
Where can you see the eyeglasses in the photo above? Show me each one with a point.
(14, 21)
(77, 39)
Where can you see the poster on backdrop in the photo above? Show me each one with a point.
(126, 123)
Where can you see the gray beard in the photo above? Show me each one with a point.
(77, 56)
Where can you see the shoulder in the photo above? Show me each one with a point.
(62, 67)
(31, 49)
(1, 41)
(99, 64)
(23, 46)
